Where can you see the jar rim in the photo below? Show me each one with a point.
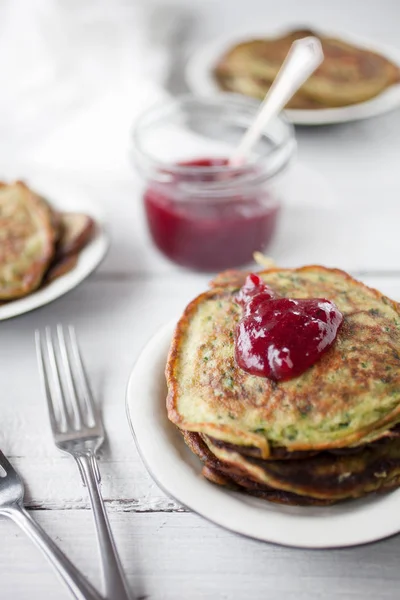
(159, 111)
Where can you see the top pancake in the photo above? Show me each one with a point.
(27, 239)
(351, 396)
(348, 74)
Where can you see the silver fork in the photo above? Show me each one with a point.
(11, 505)
(78, 430)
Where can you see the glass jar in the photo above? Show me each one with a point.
(203, 213)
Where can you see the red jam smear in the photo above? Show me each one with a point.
(209, 235)
(280, 338)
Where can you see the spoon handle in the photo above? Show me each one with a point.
(303, 58)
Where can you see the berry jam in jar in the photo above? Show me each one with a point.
(201, 212)
(212, 232)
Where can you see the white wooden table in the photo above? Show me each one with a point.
(169, 553)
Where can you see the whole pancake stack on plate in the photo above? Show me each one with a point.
(37, 243)
(324, 436)
(348, 75)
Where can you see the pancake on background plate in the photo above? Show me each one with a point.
(37, 243)
(348, 74)
(328, 434)
(75, 230)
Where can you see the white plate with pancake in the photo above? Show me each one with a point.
(68, 200)
(178, 472)
(200, 79)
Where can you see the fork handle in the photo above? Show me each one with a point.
(75, 581)
(116, 586)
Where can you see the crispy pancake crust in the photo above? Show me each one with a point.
(223, 475)
(347, 76)
(376, 470)
(60, 267)
(27, 239)
(278, 453)
(76, 230)
(242, 484)
(324, 476)
(351, 396)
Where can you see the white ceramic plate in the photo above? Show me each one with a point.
(177, 472)
(90, 257)
(199, 77)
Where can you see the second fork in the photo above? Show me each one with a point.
(78, 430)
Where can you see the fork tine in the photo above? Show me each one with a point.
(44, 379)
(4, 464)
(54, 382)
(82, 377)
(68, 378)
(6, 469)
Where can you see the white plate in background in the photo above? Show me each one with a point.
(178, 472)
(89, 258)
(200, 79)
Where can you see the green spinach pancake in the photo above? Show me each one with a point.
(317, 438)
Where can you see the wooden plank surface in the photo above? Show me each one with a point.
(341, 209)
(177, 556)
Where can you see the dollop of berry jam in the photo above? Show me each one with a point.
(254, 286)
(280, 338)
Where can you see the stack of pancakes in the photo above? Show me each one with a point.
(348, 74)
(37, 243)
(330, 434)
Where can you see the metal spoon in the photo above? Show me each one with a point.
(303, 58)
